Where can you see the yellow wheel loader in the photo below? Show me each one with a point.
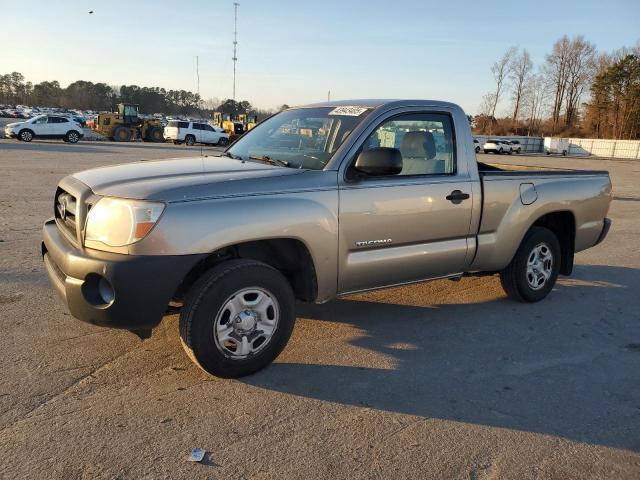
(126, 125)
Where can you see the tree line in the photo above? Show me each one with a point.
(575, 92)
(84, 95)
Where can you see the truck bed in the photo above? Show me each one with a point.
(520, 170)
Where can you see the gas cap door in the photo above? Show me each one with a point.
(528, 193)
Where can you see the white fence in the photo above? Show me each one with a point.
(579, 146)
(605, 148)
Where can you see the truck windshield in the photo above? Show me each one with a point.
(301, 137)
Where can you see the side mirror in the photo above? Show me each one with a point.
(379, 161)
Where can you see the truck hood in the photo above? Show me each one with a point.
(184, 178)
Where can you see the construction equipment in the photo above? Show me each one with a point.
(126, 125)
(252, 120)
(234, 125)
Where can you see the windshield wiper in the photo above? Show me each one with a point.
(231, 155)
(268, 159)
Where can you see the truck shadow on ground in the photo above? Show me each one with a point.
(559, 367)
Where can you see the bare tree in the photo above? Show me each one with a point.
(519, 73)
(556, 71)
(484, 120)
(569, 68)
(580, 70)
(533, 101)
(500, 71)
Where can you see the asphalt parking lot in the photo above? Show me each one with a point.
(436, 380)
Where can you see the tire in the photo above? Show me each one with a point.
(208, 307)
(72, 137)
(26, 135)
(499, 152)
(121, 134)
(189, 140)
(486, 152)
(223, 141)
(477, 149)
(155, 135)
(519, 279)
(564, 153)
(177, 142)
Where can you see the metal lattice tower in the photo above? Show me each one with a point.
(235, 46)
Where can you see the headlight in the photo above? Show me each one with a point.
(118, 222)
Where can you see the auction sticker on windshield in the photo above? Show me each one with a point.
(348, 111)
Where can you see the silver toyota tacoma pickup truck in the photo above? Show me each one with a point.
(315, 202)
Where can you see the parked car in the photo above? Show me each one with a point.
(45, 127)
(476, 145)
(297, 213)
(190, 133)
(494, 145)
(515, 146)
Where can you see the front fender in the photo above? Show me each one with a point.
(208, 225)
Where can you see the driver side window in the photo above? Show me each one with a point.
(425, 141)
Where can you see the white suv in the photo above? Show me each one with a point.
(497, 146)
(195, 132)
(45, 126)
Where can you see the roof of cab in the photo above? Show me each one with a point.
(376, 103)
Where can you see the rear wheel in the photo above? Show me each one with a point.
(223, 141)
(25, 135)
(72, 137)
(121, 134)
(190, 140)
(534, 269)
(237, 318)
(477, 149)
(499, 152)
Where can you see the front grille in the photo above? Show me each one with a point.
(66, 210)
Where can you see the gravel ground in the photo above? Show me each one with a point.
(436, 380)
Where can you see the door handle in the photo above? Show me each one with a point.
(457, 196)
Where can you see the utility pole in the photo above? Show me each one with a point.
(329, 96)
(235, 45)
(198, 77)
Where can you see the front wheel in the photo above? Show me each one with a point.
(223, 141)
(25, 135)
(156, 135)
(189, 140)
(534, 269)
(237, 318)
(72, 137)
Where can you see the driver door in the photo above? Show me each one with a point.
(402, 228)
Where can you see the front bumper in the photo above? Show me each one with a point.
(9, 134)
(141, 286)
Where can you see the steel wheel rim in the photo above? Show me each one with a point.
(539, 266)
(26, 136)
(246, 323)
